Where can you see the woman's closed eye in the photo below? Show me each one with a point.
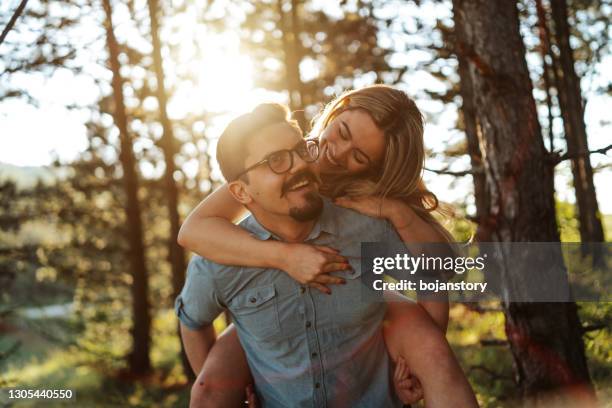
(359, 158)
(343, 134)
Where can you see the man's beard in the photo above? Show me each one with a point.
(310, 211)
(314, 204)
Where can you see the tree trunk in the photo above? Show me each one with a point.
(139, 357)
(545, 338)
(289, 25)
(570, 100)
(545, 52)
(176, 254)
(468, 111)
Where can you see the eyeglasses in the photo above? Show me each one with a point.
(281, 161)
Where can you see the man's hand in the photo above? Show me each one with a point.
(407, 387)
(310, 265)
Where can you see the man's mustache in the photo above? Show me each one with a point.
(305, 175)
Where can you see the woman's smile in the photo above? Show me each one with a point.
(330, 158)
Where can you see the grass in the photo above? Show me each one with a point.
(45, 363)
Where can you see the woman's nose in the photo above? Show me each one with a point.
(341, 151)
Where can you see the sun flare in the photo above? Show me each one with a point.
(220, 76)
(225, 76)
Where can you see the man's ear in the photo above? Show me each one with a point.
(239, 191)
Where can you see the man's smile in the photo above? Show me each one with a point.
(299, 185)
(301, 182)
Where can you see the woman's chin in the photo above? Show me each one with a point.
(323, 167)
(327, 167)
(333, 171)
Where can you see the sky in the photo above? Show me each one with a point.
(34, 135)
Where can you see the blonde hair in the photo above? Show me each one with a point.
(400, 173)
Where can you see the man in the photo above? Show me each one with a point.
(304, 348)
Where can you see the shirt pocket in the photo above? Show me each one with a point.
(354, 273)
(256, 311)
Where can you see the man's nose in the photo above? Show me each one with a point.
(298, 163)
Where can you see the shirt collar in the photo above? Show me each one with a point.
(327, 222)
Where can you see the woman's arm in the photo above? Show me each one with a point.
(209, 231)
(214, 218)
(412, 229)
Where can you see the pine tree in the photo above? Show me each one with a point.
(140, 362)
(570, 101)
(168, 144)
(545, 338)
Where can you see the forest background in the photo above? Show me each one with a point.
(109, 115)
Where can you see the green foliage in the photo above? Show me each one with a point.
(607, 226)
(567, 221)
(42, 363)
(477, 337)
(461, 229)
(596, 317)
(476, 333)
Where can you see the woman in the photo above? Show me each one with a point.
(371, 160)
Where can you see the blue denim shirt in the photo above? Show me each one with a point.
(304, 348)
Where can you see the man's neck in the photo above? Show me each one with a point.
(285, 227)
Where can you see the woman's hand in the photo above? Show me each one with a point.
(251, 397)
(310, 265)
(407, 387)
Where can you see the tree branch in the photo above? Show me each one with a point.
(491, 373)
(601, 167)
(556, 158)
(41, 60)
(475, 170)
(493, 342)
(476, 307)
(594, 327)
(13, 19)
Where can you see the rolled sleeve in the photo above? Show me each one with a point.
(198, 303)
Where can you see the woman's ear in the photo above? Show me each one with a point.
(238, 190)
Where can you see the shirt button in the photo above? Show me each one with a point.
(314, 354)
(317, 385)
(308, 324)
(252, 300)
(302, 289)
